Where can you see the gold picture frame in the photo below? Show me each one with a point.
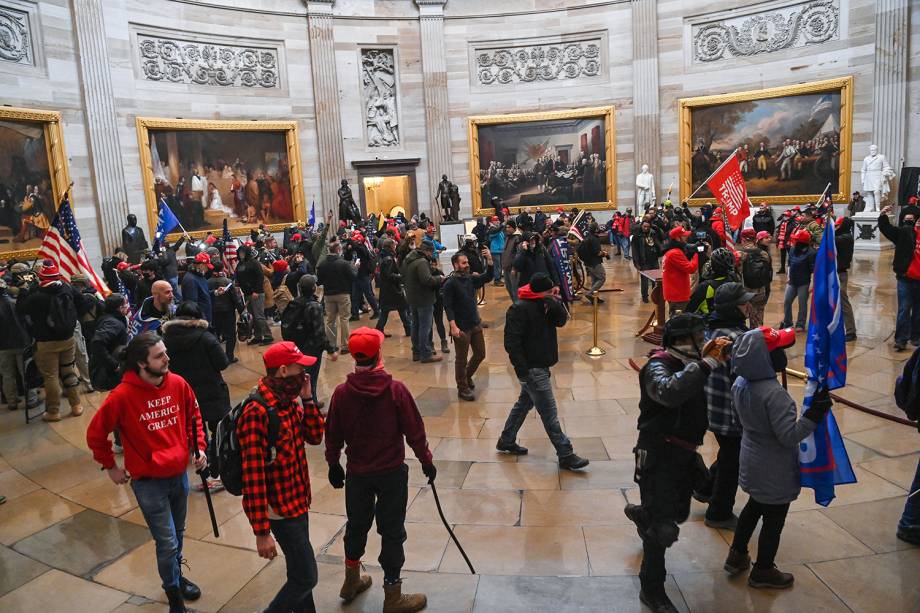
(609, 144)
(292, 144)
(842, 86)
(57, 162)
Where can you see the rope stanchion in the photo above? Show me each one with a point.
(595, 351)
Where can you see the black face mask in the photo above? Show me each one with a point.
(779, 360)
(908, 223)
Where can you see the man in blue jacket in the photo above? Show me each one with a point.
(195, 286)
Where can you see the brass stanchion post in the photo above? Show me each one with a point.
(595, 351)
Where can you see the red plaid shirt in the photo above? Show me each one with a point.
(283, 484)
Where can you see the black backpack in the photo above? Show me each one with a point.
(907, 388)
(62, 313)
(225, 458)
(756, 269)
(293, 325)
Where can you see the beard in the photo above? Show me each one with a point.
(157, 372)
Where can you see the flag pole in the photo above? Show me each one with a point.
(714, 173)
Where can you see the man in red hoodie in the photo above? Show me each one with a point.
(676, 270)
(370, 415)
(157, 415)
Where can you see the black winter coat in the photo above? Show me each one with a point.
(110, 335)
(392, 296)
(15, 335)
(196, 356)
(904, 239)
(34, 308)
(530, 334)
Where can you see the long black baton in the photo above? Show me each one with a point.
(453, 536)
(204, 480)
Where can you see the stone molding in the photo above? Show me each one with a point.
(380, 97)
(20, 35)
(217, 61)
(558, 58)
(786, 25)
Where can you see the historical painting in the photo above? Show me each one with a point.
(791, 142)
(33, 177)
(545, 160)
(207, 171)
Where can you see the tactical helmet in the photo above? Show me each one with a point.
(680, 326)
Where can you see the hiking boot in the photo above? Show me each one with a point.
(512, 448)
(444, 347)
(176, 603)
(736, 562)
(770, 578)
(394, 601)
(573, 462)
(76, 411)
(657, 601)
(431, 358)
(190, 591)
(354, 583)
(51, 416)
(909, 535)
(723, 524)
(466, 395)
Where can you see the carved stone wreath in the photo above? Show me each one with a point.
(15, 38)
(539, 63)
(179, 61)
(767, 32)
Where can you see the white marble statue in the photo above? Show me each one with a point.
(875, 176)
(645, 189)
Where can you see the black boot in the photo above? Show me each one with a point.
(176, 603)
(657, 601)
(190, 591)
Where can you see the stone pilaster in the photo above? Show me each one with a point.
(434, 84)
(326, 101)
(107, 165)
(646, 127)
(889, 95)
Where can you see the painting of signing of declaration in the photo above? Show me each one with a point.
(791, 142)
(543, 160)
(224, 171)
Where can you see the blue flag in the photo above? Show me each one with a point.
(312, 220)
(823, 459)
(166, 221)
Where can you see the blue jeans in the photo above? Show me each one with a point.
(164, 503)
(360, 289)
(422, 319)
(313, 371)
(793, 292)
(910, 519)
(908, 322)
(293, 536)
(624, 245)
(497, 266)
(537, 392)
(404, 317)
(511, 287)
(177, 292)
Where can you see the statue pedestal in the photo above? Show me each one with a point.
(866, 232)
(451, 231)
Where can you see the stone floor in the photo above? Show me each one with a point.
(541, 540)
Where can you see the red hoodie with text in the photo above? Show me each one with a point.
(156, 425)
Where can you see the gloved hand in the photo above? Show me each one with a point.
(718, 349)
(820, 405)
(337, 476)
(431, 471)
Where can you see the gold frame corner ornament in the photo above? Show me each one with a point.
(292, 143)
(607, 112)
(52, 124)
(841, 85)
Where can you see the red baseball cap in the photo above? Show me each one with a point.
(778, 339)
(748, 234)
(801, 236)
(762, 235)
(364, 343)
(204, 258)
(279, 265)
(286, 353)
(678, 232)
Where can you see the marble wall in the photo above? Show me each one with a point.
(474, 31)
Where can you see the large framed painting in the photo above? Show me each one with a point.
(33, 178)
(791, 141)
(247, 172)
(543, 160)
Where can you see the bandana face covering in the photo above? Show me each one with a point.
(288, 388)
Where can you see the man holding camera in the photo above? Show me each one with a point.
(676, 269)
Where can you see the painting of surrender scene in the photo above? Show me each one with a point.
(788, 144)
(27, 200)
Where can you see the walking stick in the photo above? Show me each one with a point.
(204, 480)
(453, 536)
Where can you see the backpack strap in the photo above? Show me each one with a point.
(274, 422)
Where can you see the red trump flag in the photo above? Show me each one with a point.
(727, 185)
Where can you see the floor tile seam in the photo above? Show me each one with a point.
(883, 477)
(839, 597)
(862, 542)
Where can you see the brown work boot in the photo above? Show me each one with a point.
(394, 601)
(354, 583)
(51, 415)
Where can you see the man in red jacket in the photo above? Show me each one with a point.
(676, 270)
(157, 415)
(370, 414)
(276, 480)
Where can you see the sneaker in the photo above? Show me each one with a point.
(723, 524)
(49, 416)
(900, 346)
(266, 341)
(344, 351)
(799, 329)
(657, 601)
(850, 337)
(254, 341)
(470, 384)
(233, 360)
(444, 346)
(76, 411)
(915, 343)
(117, 449)
(430, 359)
(466, 395)
(511, 448)
(354, 318)
(736, 562)
(387, 335)
(416, 357)
(375, 315)
(770, 578)
(573, 462)
(909, 535)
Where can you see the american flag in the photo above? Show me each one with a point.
(63, 246)
(229, 258)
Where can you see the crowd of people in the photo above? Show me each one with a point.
(159, 343)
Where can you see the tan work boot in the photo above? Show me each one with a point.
(76, 411)
(394, 601)
(354, 583)
(51, 416)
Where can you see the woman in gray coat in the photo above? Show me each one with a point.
(772, 431)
